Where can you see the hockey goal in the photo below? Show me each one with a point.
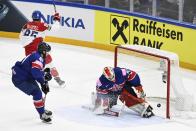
(160, 76)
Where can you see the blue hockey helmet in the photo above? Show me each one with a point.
(36, 15)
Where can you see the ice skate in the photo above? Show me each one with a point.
(147, 113)
(49, 113)
(45, 118)
(60, 82)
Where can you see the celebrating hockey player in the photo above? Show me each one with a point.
(29, 71)
(125, 84)
(33, 33)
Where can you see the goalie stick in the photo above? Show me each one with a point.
(106, 112)
(122, 108)
(44, 99)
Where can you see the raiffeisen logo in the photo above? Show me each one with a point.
(65, 21)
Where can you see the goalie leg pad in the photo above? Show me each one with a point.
(136, 104)
(93, 98)
(129, 99)
(101, 104)
(139, 108)
(144, 109)
(113, 100)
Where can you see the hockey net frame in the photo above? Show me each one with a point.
(167, 59)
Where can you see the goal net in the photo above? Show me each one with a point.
(160, 76)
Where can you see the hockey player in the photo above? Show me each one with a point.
(125, 84)
(33, 33)
(29, 71)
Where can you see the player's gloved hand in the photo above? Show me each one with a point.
(45, 87)
(56, 17)
(48, 76)
(47, 70)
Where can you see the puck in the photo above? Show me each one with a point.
(158, 105)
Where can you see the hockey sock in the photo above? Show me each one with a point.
(38, 101)
(54, 72)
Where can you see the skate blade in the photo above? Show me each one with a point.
(62, 86)
(47, 122)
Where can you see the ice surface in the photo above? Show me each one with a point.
(79, 67)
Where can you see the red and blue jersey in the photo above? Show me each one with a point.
(30, 68)
(32, 34)
(122, 76)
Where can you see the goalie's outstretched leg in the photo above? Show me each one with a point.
(136, 104)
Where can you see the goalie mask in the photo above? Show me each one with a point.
(108, 72)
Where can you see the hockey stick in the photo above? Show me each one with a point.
(44, 99)
(53, 2)
(106, 112)
(122, 108)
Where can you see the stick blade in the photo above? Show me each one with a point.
(106, 112)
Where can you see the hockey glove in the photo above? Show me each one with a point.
(48, 77)
(47, 70)
(45, 87)
(56, 17)
(47, 74)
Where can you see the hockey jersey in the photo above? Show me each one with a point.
(30, 68)
(122, 76)
(32, 34)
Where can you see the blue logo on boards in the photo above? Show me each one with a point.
(65, 21)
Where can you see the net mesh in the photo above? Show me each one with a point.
(152, 66)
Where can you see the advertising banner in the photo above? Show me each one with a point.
(99, 27)
(11, 18)
(117, 29)
(75, 23)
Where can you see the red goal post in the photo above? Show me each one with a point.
(142, 53)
